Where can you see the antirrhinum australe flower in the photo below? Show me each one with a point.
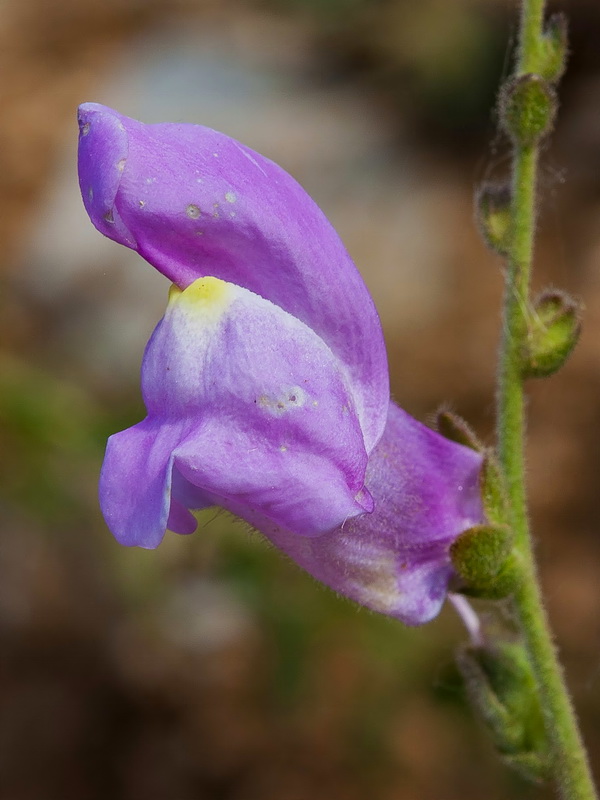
(266, 382)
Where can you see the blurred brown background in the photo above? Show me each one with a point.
(211, 668)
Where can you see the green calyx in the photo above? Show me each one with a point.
(527, 109)
(501, 686)
(483, 559)
(483, 555)
(493, 209)
(493, 491)
(553, 330)
(457, 430)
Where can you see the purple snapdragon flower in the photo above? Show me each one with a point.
(266, 381)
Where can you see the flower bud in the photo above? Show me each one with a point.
(554, 329)
(492, 208)
(527, 109)
(554, 52)
(501, 686)
(532, 766)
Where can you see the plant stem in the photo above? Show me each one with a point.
(568, 757)
(530, 35)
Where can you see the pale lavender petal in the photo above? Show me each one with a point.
(103, 155)
(135, 482)
(141, 492)
(247, 406)
(194, 202)
(469, 617)
(181, 520)
(396, 560)
(289, 484)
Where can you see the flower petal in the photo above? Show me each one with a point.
(103, 154)
(135, 482)
(195, 202)
(141, 492)
(396, 560)
(247, 406)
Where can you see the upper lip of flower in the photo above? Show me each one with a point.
(254, 226)
(104, 170)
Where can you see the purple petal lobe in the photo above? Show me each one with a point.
(102, 159)
(395, 560)
(135, 483)
(248, 409)
(180, 519)
(194, 202)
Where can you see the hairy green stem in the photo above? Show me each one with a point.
(569, 761)
(530, 34)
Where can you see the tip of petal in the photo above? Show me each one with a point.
(103, 151)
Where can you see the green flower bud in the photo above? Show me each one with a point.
(553, 331)
(501, 686)
(554, 48)
(492, 207)
(532, 766)
(527, 109)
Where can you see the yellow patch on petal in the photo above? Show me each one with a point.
(174, 292)
(208, 296)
